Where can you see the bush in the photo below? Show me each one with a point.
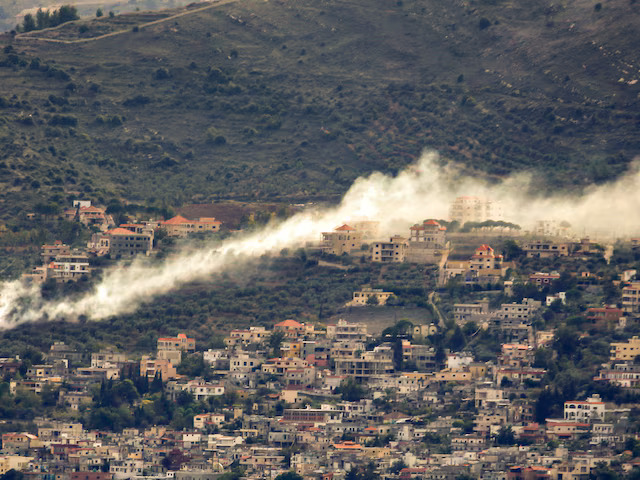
(136, 101)
(63, 120)
(484, 23)
(161, 74)
(215, 137)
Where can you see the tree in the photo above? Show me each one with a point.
(505, 436)
(602, 472)
(512, 250)
(275, 342)
(12, 475)
(99, 13)
(484, 23)
(174, 459)
(290, 475)
(351, 391)
(372, 300)
(28, 23)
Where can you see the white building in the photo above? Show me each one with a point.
(593, 408)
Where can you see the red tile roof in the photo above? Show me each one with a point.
(177, 220)
(289, 323)
(344, 228)
(119, 231)
(91, 209)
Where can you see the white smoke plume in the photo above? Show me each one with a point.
(425, 190)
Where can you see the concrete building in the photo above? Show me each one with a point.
(546, 249)
(180, 226)
(69, 266)
(393, 251)
(486, 262)
(363, 297)
(366, 364)
(49, 252)
(124, 243)
(520, 311)
(344, 331)
(592, 409)
(150, 367)
(471, 312)
(343, 240)
(625, 351)
(181, 342)
(622, 374)
(427, 242)
(631, 298)
(474, 209)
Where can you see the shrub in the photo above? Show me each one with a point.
(136, 101)
(484, 23)
(63, 120)
(161, 74)
(215, 137)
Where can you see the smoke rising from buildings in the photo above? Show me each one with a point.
(424, 190)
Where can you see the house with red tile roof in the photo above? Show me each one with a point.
(122, 242)
(427, 242)
(180, 226)
(343, 240)
(293, 329)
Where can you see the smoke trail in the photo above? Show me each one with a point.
(424, 190)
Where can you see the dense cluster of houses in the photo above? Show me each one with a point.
(325, 400)
(308, 423)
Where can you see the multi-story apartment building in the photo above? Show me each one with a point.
(393, 251)
(125, 243)
(366, 364)
(592, 409)
(180, 226)
(474, 209)
(345, 331)
(631, 298)
(546, 249)
(343, 240)
(254, 334)
(625, 351)
(69, 266)
(521, 311)
(181, 342)
(427, 242)
(470, 312)
(623, 374)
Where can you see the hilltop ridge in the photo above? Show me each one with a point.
(272, 100)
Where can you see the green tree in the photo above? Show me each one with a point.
(12, 475)
(505, 436)
(99, 13)
(275, 342)
(372, 300)
(28, 23)
(351, 391)
(290, 475)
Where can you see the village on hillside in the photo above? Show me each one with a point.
(525, 366)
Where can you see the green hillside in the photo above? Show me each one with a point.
(277, 100)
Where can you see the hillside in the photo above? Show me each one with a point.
(253, 100)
